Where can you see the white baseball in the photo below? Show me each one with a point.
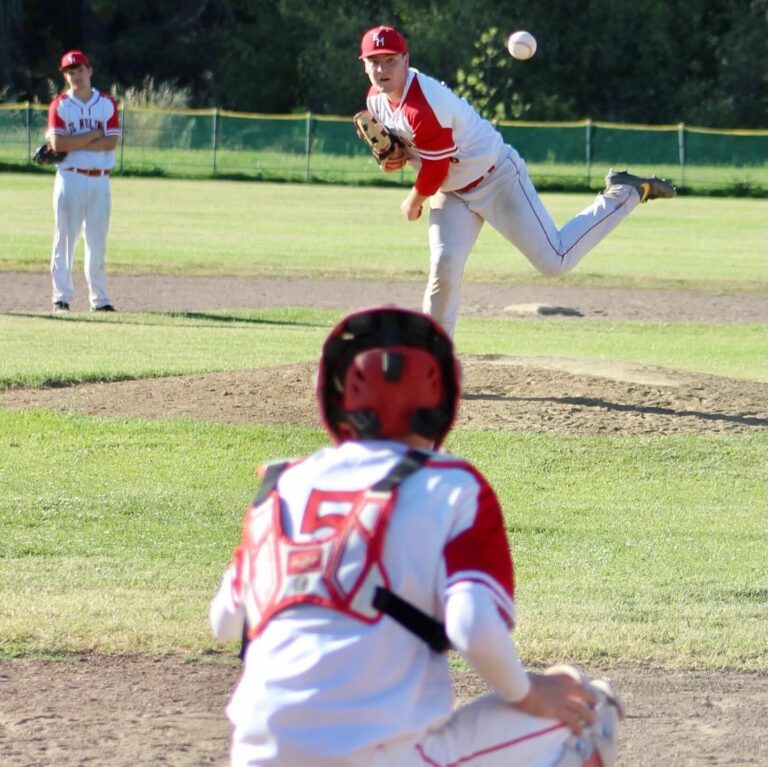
(521, 45)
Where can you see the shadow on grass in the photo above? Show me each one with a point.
(225, 318)
(140, 318)
(594, 402)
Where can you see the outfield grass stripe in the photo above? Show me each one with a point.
(254, 229)
(645, 549)
(43, 351)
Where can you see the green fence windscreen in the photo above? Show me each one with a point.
(207, 142)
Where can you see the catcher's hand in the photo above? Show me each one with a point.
(46, 155)
(386, 147)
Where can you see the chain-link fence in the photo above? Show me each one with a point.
(309, 147)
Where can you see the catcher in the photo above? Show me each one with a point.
(362, 564)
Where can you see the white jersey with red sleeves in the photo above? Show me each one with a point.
(319, 682)
(68, 116)
(434, 124)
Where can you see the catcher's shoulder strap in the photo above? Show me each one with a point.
(271, 473)
(382, 600)
(424, 626)
(403, 612)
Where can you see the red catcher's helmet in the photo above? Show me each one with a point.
(388, 372)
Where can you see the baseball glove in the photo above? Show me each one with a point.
(386, 147)
(46, 155)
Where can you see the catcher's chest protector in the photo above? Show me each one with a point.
(337, 561)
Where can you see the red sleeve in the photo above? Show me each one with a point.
(431, 175)
(55, 123)
(432, 141)
(113, 124)
(483, 547)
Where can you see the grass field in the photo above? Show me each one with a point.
(228, 227)
(357, 166)
(40, 350)
(114, 531)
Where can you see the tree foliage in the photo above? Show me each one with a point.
(656, 61)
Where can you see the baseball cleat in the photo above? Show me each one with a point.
(650, 188)
(105, 308)
(60, 306)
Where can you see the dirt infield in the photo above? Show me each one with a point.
(30, 292)
(138, 711)
(141, 712)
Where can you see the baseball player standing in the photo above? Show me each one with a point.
(359, 567)
(84, 123)
(471, 176)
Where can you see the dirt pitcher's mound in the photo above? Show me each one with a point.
(510, 393)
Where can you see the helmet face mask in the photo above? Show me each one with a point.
(386, 373)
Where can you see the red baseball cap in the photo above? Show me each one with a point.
(382, 40)
(73, 59)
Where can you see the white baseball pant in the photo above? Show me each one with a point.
(80, 204)
(485, 733)
(509, 202)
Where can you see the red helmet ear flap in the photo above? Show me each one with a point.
(431, 422)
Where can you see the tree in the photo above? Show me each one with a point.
(659, 61)
(11, 14)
